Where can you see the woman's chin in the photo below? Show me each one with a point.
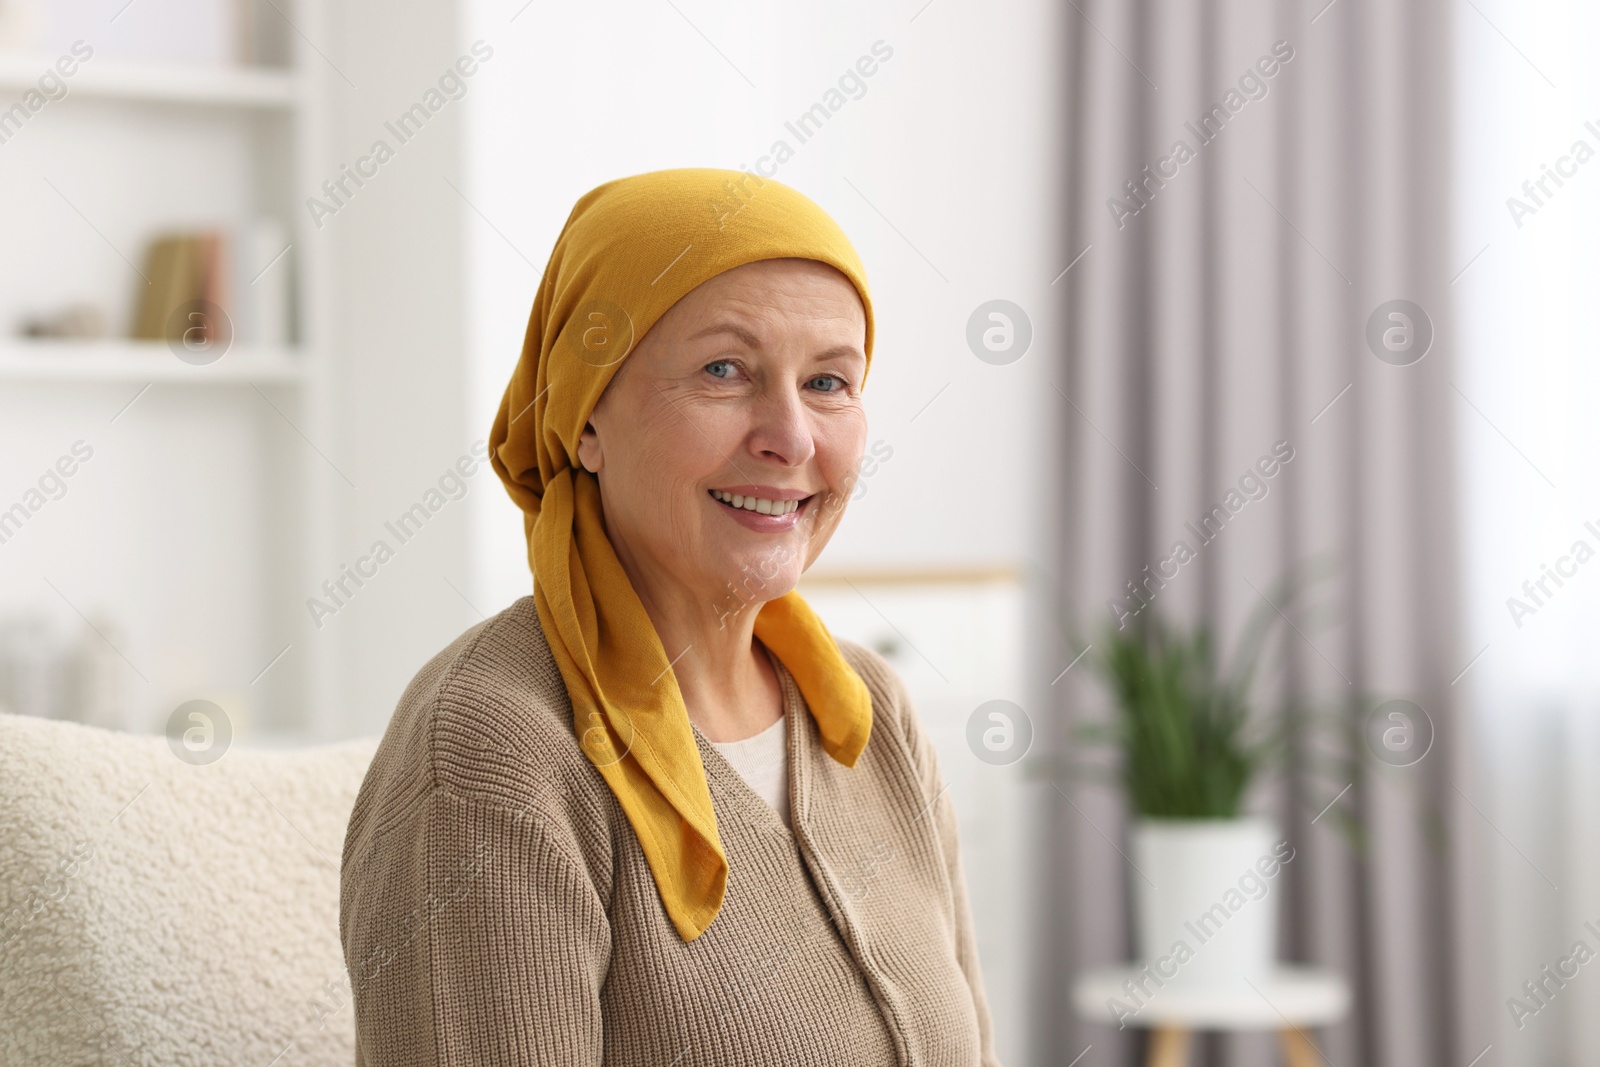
(750, 579)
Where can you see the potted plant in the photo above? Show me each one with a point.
(1204, 871)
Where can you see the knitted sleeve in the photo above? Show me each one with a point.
(474, 936)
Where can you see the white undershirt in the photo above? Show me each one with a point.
(763, 762)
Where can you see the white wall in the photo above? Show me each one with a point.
(397, 291)
(953, 142)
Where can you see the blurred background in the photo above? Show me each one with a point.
(1189, 314)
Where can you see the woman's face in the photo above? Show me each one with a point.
(748, 389)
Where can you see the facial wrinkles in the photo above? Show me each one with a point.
(670, 447)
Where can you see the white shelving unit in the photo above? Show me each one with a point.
(130, 361)
(236, 87)
(209, 519)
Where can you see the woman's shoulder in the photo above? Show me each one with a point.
(883, 681)
(487, 720)
(890, 696)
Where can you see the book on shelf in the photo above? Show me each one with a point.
(187, 290)
(217, 286)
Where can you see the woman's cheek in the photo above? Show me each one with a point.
(678, 454)
(841, 442)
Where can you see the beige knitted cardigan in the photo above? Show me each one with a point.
(495, 906)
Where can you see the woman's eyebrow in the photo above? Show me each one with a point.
(750, 340)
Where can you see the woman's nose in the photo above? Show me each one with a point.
(782, 429)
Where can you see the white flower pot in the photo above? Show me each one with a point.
(1205, 895)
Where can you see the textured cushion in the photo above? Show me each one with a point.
(156, 912)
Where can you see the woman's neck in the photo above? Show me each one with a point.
(728, 684)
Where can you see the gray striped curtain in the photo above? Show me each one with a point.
(1248, 184)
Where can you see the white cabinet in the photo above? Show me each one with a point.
(957, 641)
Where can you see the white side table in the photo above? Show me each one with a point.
(1292, 999)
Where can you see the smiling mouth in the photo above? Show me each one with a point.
(759, 505)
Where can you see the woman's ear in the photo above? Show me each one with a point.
(589, 452)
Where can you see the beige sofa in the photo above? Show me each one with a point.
(153, 911)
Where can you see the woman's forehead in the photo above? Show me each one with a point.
(743, 302)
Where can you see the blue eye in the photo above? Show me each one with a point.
(830, 377)
(719, 363)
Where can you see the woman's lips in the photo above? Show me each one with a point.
(755, 520)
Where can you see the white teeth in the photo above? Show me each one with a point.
(760, 506)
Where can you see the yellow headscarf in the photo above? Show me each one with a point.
(630, 250)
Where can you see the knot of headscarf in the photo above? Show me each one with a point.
(630, 250)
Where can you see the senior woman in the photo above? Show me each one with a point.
(654, 813)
